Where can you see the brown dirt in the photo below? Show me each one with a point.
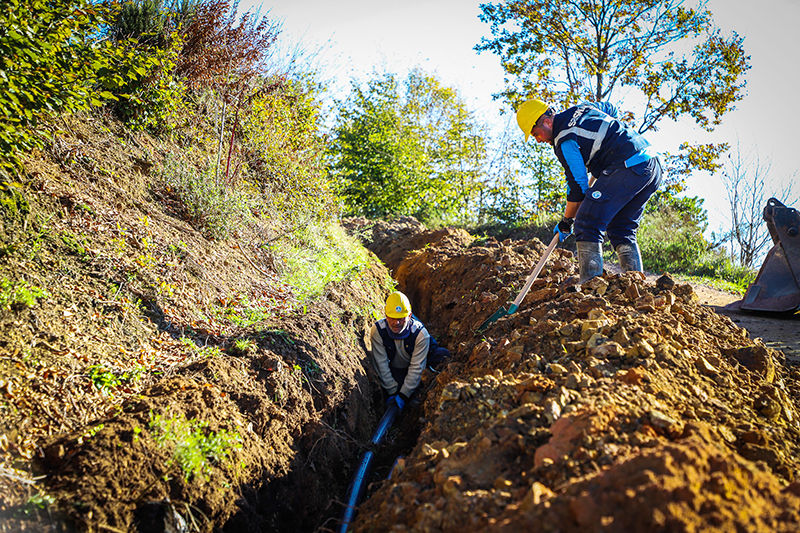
(625, 405)
(140, 321)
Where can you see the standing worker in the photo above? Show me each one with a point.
(401, 349)
(589, 137)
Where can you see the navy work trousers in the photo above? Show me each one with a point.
(615, 203)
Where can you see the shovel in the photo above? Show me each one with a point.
(500, 313)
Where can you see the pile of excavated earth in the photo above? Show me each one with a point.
(616, 405)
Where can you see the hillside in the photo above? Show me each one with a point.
(149, 372)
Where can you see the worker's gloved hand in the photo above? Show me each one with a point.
(399, 399)
(564, 228)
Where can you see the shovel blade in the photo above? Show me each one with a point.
(500, 313)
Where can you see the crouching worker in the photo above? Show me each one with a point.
(401, 349)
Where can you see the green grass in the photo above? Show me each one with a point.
(715, 283)
(20, 293)
(316, 256)
(195, 446)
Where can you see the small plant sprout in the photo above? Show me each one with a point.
(195, 446)
(243, 346)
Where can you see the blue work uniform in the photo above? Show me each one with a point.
(588, 137)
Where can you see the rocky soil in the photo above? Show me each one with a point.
(621, 405)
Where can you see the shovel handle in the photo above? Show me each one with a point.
(524, 292)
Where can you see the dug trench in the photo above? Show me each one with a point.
(623, 405)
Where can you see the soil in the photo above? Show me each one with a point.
(165, 381)
(626, 404)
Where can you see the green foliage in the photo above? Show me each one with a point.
(103, 379)
(672, 56)
(157, 102)
(12, 200)
(407, 147)
(569, 52)
(151, 21)
(529, 191)
(316, 256)
(107, 381)
(282, 150)
(196, 447)
(19, 294)
(40, 501)
(138, 19)
(51, 60)
(671, 240)
(243, 346)
(678, 167)
(213, 209)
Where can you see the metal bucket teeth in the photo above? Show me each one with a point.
(777, 287)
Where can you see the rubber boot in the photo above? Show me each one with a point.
(629, 257)
(590, 260)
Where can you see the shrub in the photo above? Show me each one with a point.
(283, 150)
(215, 210)
(671, 240)
(155, 103)
(51, 60)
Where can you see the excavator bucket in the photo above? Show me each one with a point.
(777, 286)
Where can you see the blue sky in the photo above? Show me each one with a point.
(355, 36)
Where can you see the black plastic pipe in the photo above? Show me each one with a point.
(357, 485)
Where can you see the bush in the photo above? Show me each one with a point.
(51, 61)
(155, 103)
(672, 242)
(215, 210)
(283, 150)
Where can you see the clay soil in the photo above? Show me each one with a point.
(626, 404)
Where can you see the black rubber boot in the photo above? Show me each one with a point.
(590, 260)
(629, 257)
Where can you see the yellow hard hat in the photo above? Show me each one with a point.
(397, 305)
(528, 113)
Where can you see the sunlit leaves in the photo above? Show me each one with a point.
(565, 52)
(406, 147)
(51, 59)
(282, 149)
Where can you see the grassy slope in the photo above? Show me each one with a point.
(141, 361)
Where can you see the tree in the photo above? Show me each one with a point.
(525, 186)
(745, 178)
(406, 147)
(565, 52)
(52, 60)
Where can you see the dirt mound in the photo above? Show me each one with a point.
(619, 405)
